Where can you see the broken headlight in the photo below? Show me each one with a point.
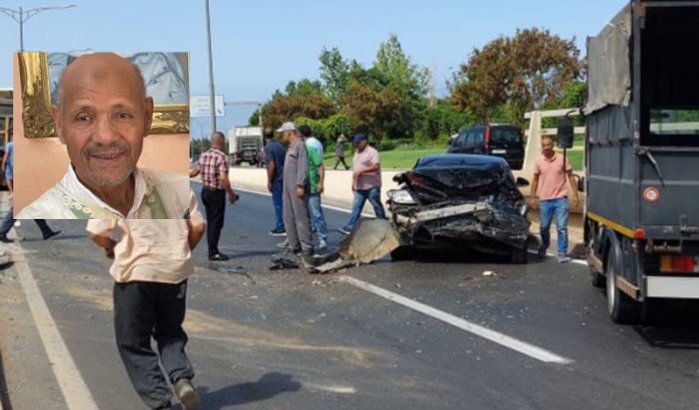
(401, 196)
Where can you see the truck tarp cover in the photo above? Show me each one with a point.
(608, 64)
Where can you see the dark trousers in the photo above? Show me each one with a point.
(277, 201)
(145, 311)
(9, 220)
(215, 204)
(338, 160)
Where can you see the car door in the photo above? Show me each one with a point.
(478, 141)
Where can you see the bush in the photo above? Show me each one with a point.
(387, 145)
(327, 129)
(442, 120)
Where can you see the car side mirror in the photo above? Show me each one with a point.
(566, 133)
(521, 182)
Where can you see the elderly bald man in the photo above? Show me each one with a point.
(102, 117)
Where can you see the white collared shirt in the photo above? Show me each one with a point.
(157, 195)
(73, 184)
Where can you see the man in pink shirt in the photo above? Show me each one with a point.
(550, 175)
(366, 182)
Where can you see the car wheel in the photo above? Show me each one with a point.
(622, 309)
(402, 253)
(519, 256)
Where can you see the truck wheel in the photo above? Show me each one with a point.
(622, 308)
(519, 256)
(597, 279)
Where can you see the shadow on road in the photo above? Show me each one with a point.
(269, 385)
(674, 325)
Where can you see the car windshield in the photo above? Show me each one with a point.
(504, 138)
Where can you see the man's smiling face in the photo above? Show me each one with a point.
(102, 118)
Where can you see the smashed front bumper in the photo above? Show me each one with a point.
(471, 221)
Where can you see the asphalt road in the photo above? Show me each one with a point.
(289, 340)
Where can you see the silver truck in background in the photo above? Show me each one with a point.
(244, 145)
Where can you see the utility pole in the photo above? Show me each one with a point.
(20, 16)
(212, 92)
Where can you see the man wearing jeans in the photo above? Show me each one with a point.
(550, 174)
(274, 162)
(316, 176)
(366, 182)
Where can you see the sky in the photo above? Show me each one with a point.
(258, 46)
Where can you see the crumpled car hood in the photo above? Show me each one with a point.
(463, 204)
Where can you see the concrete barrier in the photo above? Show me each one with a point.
(338, 184)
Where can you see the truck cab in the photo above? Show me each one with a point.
(642, 162)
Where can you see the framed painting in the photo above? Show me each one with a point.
(166, 76)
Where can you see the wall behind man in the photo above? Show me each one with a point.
(39, 163)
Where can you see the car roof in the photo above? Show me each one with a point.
(476, 162)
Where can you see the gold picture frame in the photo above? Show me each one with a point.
(35, 79)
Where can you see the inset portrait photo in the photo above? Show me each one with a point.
(100, 135)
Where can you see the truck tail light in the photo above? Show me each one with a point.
(487, 137)
(677, 264)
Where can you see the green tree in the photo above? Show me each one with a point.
(525, 72)
(254, 119)
(334, 72)
(284, 107)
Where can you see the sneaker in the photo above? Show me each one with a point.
(322, 245)
(187, 394)
(278, 232)
(283, 244)
(219, 257)
(541, 252)
(345, 230)
(563, 258)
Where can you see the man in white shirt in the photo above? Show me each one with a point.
(102, 116)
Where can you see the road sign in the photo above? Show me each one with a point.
(199, 106)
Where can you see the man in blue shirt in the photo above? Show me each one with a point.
(274, 162)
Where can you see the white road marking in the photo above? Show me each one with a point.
(331, 388)
(75, 392)
(509, 342)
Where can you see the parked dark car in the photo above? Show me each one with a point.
(460, 201)
(504, 141)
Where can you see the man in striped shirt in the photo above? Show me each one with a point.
(213, 167)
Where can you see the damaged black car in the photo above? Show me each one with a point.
(460, 202)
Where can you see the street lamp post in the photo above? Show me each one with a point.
(20, 16)
(212, 93)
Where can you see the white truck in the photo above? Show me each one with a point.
(244, 145)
